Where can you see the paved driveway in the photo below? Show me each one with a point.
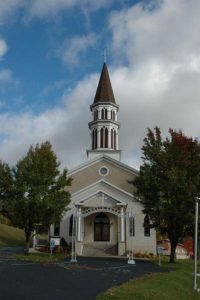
(82, 280)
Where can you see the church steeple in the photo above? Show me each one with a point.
(104, 125)
(104, 91)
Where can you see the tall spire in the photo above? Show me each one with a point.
(104, 125)
(104, 91)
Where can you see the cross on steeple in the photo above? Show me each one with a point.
(105, 55)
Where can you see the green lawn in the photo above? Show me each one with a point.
(175, 285)
(11, 236)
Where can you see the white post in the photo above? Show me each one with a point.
(196, 244)
(34, 239)
(79, 224)
(122, 225)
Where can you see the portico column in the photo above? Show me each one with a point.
(122, 225)
(79, 237)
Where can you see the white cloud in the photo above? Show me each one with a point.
(159, 86)
(73, 48)
(38, 8)
(8, 7)
(3, 47)
(66, 128)
(5, 75)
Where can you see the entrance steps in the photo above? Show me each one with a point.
(99, 249)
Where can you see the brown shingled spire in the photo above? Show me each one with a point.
(104, 91)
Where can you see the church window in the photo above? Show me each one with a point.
(106, 114)
(95, 115)
(103, 171)
(112, 138)
(146, 226)
(113, 115)
(94, 138)
(106, 137)
(71, 225)
(115, 139)
(131, 226)
(102, 137)
(56, 229)
(103, 114)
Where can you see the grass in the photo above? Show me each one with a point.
(174, 285)
(11, 236)
(40, 257)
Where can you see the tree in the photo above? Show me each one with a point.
(6, 187)
(40, 194)
(168, 182)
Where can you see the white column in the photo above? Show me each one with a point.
(109, 138)
(122, 225)
(79, 225)
(117, 140)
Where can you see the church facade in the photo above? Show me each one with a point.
(103, 217)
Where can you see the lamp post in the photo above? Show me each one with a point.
(196, 244)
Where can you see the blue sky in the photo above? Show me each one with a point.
(51, 58)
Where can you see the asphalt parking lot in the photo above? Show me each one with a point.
(64, 280)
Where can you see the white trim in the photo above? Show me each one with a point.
(100, 158)
(104, 182)
(107, 171)
(88, 198)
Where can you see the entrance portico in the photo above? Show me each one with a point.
(100, 224)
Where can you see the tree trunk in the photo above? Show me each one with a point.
(28, 236)
(173, 251)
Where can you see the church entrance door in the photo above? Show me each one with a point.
(101, 228)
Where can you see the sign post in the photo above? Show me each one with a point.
(52, 245)
(159, 251)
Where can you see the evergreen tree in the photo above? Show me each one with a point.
(168, 182)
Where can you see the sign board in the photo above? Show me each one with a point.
(52, 244)
(160, 250)
(55, 240)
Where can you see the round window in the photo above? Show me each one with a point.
(103, 171)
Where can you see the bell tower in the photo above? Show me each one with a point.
(104, 125)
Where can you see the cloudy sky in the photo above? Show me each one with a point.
(50, 62)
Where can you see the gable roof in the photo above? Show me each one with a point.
(102, 157)
(104, 91)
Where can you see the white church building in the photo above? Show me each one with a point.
(103, 217)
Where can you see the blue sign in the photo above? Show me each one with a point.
(160, 250)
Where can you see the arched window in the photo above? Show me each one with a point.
(101, 228)
(106, 114)
(112, 138)
(131, 226)
(103, 114)
(102, 137)
(146, 226)
(113, 115)
(71, 225)
(57, 229)
(94, 138)
(95, 115)
(115, 139)
(106, 137)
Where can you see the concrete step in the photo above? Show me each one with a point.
(99, 249)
